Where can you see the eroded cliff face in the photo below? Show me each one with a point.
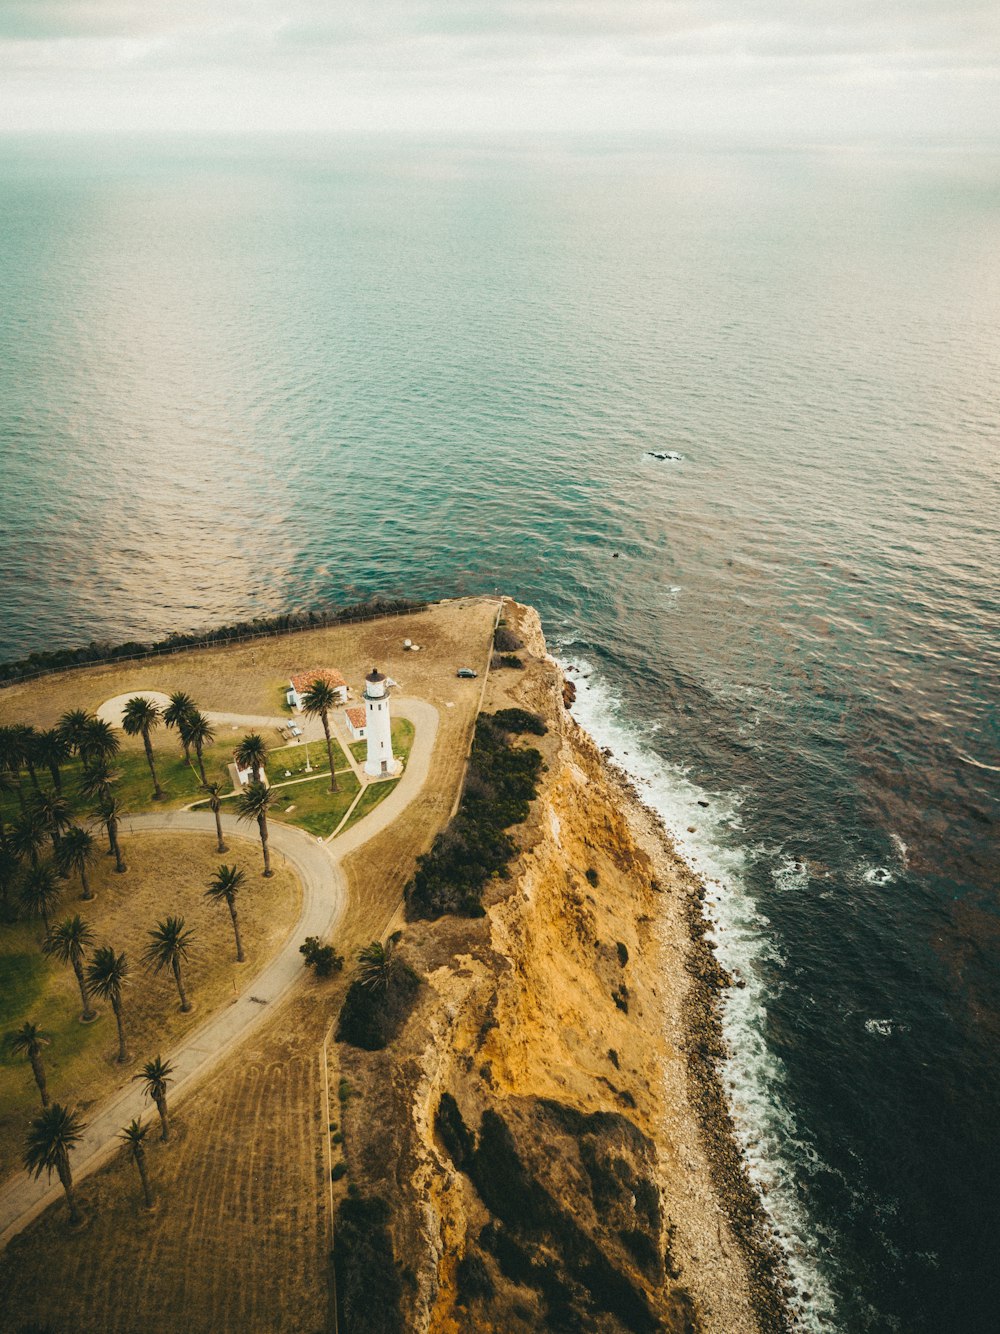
(545, 1127)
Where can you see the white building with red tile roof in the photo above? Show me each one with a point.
(357, 721)
(301, 681)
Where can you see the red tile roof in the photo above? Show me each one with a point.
(303, 680)
(357, 716)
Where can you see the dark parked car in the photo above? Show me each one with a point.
(466, 673)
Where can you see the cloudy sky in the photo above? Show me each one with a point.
(839, 70)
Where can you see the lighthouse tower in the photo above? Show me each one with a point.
(378, 728)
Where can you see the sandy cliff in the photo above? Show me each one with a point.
(547, 1129)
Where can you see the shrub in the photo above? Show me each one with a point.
(338, 1170)
(506, 641)
(499, 660)
(622, 953)
(371, 1019)
(501, 783)
(368, 1283)
(593, 879)
(323, 959)
(520, 720)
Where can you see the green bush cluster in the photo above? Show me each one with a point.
(371, 1018)
(323, 959)
(501, 782)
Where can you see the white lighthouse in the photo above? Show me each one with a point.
(378, 727)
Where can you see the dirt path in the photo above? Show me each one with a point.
(324, 903)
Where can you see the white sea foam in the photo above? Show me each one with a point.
(779, 1156)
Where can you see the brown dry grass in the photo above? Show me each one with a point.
(167, 873)
(242, 1245)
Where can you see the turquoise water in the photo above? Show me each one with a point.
(237, 378)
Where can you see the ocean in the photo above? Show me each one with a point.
(238, 377)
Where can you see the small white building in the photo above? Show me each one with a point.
(245, 776)
(380, 760)
(356, 719)
(301, 682)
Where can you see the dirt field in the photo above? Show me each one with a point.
(241, 1243)
(167, 873)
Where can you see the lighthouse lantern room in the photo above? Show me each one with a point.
(378, 727)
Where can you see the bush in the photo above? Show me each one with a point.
(368, 1283)
(593, 879)
(372, 1019)
(323, 959)
(338, 1170)
(502, 781)
(506, 641)
(499, 660)
(520, 720)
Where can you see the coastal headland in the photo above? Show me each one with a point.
(542, 1144)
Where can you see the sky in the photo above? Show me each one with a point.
(776, 70)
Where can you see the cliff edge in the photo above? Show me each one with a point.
(544, 1144)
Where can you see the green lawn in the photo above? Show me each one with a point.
(402, 741)
(180, 781)
(314, 807)
(293, 758)
(373, 794)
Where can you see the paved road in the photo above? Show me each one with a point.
(324, 903)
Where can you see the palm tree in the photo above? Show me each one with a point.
(107, 974)
(52, 749)
(29, 1041)
(97, 779)
(67, 943)
(50, 1138)
(40, 892)
(99, 742)
(132, 1137)
(252, 804)
(11, 758)
(174, 715)
(215, 793)
(251, 753)
(76, 852)
(9, 867)
(223, 889)
(170, 943)
(156, 1075)
(110, 812)
(27, 835)
(199, 733)
(26, 741)
(139, 717)
(52, 810)
(72, 727)
(378, 964)
(318, 700)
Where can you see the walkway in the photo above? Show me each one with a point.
(324, 903)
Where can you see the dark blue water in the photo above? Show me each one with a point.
(238, 378)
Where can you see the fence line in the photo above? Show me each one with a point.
(324, 622)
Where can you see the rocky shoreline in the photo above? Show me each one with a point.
(705, 1049)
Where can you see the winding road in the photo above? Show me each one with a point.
(324, 903)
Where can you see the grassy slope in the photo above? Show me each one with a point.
(167, 873)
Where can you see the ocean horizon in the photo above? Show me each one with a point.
(728, 419)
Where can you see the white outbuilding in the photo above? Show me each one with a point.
(356, 719)
(378, 727)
